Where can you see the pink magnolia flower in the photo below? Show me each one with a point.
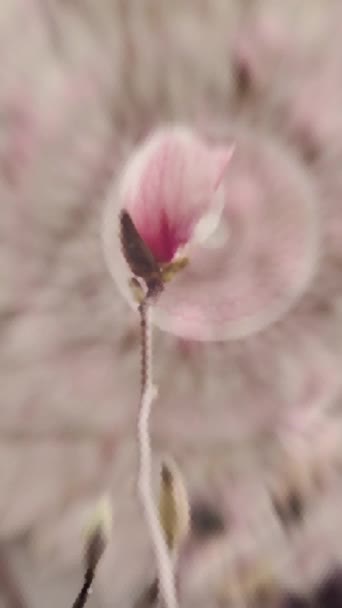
(172, 190)
(251, 239)
(171, 183)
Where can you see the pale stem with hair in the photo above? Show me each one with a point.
(148, 394)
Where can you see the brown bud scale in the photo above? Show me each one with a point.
(138, 256)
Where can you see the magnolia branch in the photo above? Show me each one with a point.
(148, 394)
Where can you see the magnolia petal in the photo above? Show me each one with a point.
(169, 184)
(249, 262)
(265, 251)
(172, 190)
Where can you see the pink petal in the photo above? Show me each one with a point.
(169, 185)
(263, 254)
(266, 260)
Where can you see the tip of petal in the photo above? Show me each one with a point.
(222, 158)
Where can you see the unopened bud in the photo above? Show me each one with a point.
(98, 533)
(138, 255)
(174, 511)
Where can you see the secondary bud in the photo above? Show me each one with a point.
(98, 533)
(174, 511)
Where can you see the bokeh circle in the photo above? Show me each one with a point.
(256, 265)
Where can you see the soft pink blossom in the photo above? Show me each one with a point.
(260, 259)
(252, 236)
(171, 182)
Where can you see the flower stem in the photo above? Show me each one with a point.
(148, 393)
(82, 597)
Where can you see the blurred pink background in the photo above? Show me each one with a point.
(82, 82)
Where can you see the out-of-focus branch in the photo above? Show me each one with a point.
(8, 583)
(96, 542)
(82, 597)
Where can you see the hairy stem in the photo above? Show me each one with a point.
(148, 393)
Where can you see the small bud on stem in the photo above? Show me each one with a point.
(174, 511)
(97, 536)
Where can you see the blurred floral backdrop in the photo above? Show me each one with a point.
(82, 82)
